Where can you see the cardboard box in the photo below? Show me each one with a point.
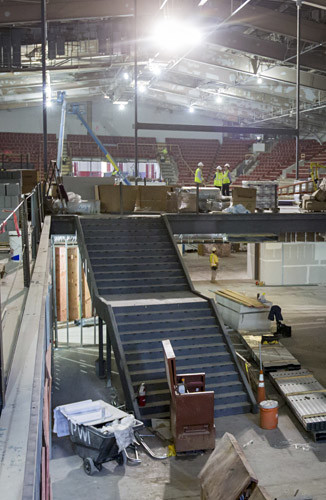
(152, 198)
(241, 193)
(29, 180)
(109, 196)
(314, 206)
(186, 202)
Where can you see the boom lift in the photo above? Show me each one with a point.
(76, 110)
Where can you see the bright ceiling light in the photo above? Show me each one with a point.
(48, 103)
(259, 79)
(191, 109)
(120, 102)
(141, 88)
(174, 35)
(126, 76)
(155, 69)
(122, 107)
(219, 99)
(201, 3)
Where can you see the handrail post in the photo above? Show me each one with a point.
(25, 243)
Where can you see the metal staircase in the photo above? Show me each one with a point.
(143, 293)
(169, 168)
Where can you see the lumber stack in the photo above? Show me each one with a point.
(240, 298)
(72, 272)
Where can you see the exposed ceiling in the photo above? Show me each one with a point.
(242, 72)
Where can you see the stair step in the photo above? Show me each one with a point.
(202, 328)
(128, 290)
(135, 281)
(143, 326)
(225, 410)
(165, 307)
(208, 368)
(151, 316)
(176, 340)
(179, 351)
(185, 359)
(153, 252)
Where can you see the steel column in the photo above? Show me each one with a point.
(67, 290)
(80, 282)
(101, 371)
(54, 295)
(136, 92)
(108, 358)
(45, 121)
(297, 118)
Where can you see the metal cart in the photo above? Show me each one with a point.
(88, 423)
(96, 447)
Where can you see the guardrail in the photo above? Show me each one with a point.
(301, 187)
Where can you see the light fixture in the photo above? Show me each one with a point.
(142, 88)
(155, 69)
(122, 107)
(173, 35)
(126, 75)
(201, 3)
(259, 79)
(124, 103)
(48, 103)
(191, 109)
(219, 99)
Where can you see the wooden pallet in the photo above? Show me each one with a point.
(274, 357)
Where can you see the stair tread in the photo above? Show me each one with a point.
(159, 349)
(202, 327)
(184, 368)
(172, 320)
(180, 357)
(141, 341)
(232, 405)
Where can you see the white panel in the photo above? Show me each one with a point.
(320, 251)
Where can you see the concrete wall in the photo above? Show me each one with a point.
(107, 119)
(293, 263)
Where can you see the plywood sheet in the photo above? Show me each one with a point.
(60, 276)
(73, 292)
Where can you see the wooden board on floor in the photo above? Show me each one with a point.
(227, 473)
(274, 356)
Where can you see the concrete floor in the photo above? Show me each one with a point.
(287, 462)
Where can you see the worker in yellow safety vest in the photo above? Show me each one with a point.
(199, 173)
(218, 178)
(213, 260)
(226, 180)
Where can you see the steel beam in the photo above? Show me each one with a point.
(253, 224)
(216, 128)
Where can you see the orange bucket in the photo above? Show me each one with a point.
(268, 414)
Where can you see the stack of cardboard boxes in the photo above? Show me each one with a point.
(245, 197)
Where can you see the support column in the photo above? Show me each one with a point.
(136, 91)
(297, 120)
(45, 122)
(108, 358)
(101, 365)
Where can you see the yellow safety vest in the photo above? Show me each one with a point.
(218, 180)
(226, 179)
(198, 177)
(213, 259)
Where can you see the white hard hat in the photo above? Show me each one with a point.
(214, 249)
(227, 165)
(218, 168)
(200, 164)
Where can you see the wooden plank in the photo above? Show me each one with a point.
(241, 298)
(87, 301)
(60, 277)
(73, 294)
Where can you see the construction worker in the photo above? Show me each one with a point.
(226, 180)
(213, 260)
(199, 174)
(218, 178)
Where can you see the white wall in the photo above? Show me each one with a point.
(107, 120)
(293, 263)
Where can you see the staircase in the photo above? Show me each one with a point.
(144, 295)
(169, 168)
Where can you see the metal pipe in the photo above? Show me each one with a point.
(136, 93)
(45, 121)
(67, 290)
(94, 315)
(108, 358)
(197, 198)
(121, 198)
(297, 118)
(101, 371)
(62, 97)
